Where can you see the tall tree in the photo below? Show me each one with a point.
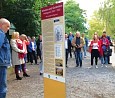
(24, 14)
(74, 17)
(106, 13)
(95, 25)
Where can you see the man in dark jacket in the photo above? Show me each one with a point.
(38, 47)
(5, 57)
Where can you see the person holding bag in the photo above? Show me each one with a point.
(17, 55)
(104, 46)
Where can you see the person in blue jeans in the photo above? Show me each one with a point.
(78, 43)
(84, 47)
(70, 37)
(32, 50)
(5, 57)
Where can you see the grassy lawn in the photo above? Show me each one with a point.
(10, 72)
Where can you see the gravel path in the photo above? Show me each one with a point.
(80, 82)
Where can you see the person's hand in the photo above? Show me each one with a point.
(21, 51)
(33, 49)
(79, 46)
(76, 46)
(25, 38)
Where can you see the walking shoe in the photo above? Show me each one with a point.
(90, 67)
(26, 75)
(77, 65)
(109, 63)
(96, 66)
(80, 65)
(41, 73)
(18, 77)
(105, 65)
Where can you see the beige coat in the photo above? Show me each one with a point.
(15, 51)
(81, 43)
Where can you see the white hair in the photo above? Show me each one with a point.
(3, 20)
(77, 32)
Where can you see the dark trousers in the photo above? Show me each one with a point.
(17, 68)
(66, 55)
(39, 54)
(28, 57)
(94, 54)
(33, 56)
(70, 52)
(108, 59)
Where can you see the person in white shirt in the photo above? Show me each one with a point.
(95, 50)
(67, 45)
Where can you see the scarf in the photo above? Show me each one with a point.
(20, 46)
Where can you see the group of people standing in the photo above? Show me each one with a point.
(19, 50)
(23, 49)
(78, 44)
(99, 48)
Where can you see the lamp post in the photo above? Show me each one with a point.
(12, 29)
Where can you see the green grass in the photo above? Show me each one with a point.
(10, 72)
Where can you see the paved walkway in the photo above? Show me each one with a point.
(80, 82)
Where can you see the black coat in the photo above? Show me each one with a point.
(69, 45)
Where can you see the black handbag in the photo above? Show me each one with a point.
(108, 52)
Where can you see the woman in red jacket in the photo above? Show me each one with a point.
(104, 45)
(95, 49)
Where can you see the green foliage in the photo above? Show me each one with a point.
(96, 25)
(106, 13)
(74, 17)
(24, 14)
(103, 19)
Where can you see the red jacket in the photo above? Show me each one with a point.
(91, 44)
